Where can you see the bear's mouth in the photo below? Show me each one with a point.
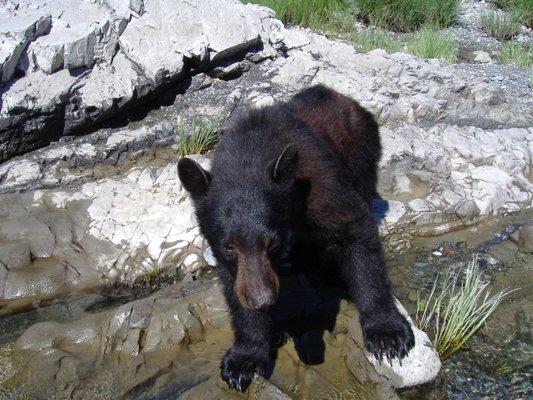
(256, 283)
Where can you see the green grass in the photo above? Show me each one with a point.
(201, 136)
(458, 311)
(408, 15)
(499, 26)
(430, 42)
(521, 10)
(513, 52)
(336, 15)
(376, 38)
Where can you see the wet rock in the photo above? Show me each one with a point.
(421, 365)
(525, 239)
(172, 342)
(214, 388)
(60, 242)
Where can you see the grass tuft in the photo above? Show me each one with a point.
(499, 26)
(513, 52)
(458, 311)
(521, 10)
(315, 14)
(376, 38)
(200, 138)
(408, 15)
(430, 42)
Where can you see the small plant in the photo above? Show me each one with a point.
(152, 276)
(499, 26)
(459, 310)
(201, 137)
(521, 10)
(376, 38)
(516, 53)
(430, 42)
(408, 15)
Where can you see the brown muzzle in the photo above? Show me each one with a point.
(256, 284)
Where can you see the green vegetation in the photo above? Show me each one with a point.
(458, 311)
(152, 276)
(521, 10)
(499, 26)
(513, 52)
(376, 38)
(329, 15)
(430, 42)
(408, 15)
(200, 138)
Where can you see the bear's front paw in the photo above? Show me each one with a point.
(388, 335)
(238, 369)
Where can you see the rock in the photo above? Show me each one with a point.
(481, 56)
(525, 239)
(173, 340)
(15, 34)
(421, 365)
(15, 254)
(116, 53)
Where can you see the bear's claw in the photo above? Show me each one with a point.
(238, 369)
(388, 336)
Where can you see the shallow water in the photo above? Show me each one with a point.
(497, 362)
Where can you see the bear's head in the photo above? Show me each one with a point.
(246, 216)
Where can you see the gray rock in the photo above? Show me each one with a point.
(525, 239)
(15, 254)
(128, 49)
(15, 34)
(422, 364)
(481, 56)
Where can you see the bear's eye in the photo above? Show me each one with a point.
(230, 248)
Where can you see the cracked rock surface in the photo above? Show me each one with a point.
(83, 214)
(77, 71)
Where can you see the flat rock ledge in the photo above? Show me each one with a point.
(83, 61)
(172, 342)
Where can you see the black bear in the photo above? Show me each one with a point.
(299, 175)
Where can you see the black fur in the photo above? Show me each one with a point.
(307, 167)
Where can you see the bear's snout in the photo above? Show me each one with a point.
(256, 283)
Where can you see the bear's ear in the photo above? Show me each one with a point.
(194, 178)
(285, 165)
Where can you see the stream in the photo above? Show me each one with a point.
(496, 363)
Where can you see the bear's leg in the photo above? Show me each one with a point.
(253, 345)
(353, 244)
(386, 333)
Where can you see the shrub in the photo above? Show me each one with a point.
(458, 311)
(512, 52)
(499, 26)
(430, 42)
(521, 10)
(201, 137)
(408, 15)
(375, 38)
(316, 14)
